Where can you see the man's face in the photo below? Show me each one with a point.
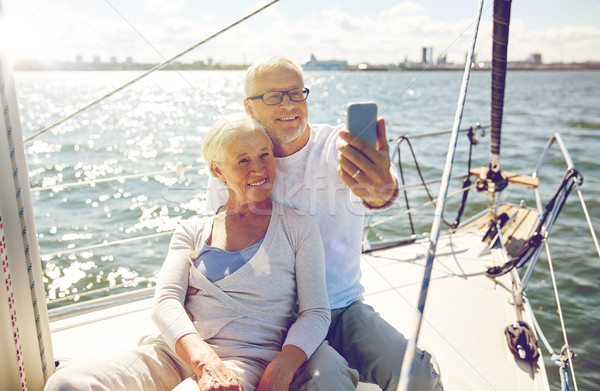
(286, 123)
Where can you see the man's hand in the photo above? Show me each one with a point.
(280, 372)
(365, 169)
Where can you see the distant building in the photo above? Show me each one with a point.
(96, 59)
(427, 56)
(328, 65)
(128, 60)
(113, 60)
(79, 60)
(535, 59)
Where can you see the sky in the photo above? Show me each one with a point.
(373, 31)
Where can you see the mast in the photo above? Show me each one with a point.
(499, 60)
(494, 180)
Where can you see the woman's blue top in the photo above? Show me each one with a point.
(215, 263)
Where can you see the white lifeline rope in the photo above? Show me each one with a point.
(24, 227)
(560, 313)
(587, 217)
(408, 361)
(11, 306)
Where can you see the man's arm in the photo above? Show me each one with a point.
(366, 170)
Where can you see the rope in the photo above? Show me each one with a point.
(179, 170)
(553, 208)
(587, 217)
(156, 68)
(75, 297)
(564, 370)
(11, 307)
(121, 241)
(24, 227)
(408, 362)
(423, 184)
(467, 181)
(416, 208)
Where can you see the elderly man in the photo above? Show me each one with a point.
(330, 174)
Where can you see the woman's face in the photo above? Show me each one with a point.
(248, 168)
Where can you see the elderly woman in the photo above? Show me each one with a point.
(244, 269)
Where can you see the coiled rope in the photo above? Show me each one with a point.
(11, 306)
(408, 361)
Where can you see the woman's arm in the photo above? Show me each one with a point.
(174, 324)
(168, 311)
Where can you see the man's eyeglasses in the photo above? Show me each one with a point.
(273, 98)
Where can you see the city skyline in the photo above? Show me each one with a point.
(382, 32)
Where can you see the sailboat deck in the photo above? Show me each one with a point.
(465, 315)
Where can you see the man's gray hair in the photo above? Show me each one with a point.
(258, 68)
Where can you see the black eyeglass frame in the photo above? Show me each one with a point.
(304, 90)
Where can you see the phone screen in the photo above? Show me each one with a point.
(361, 120)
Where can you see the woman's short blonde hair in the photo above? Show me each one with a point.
(219, 137)
(257, 69)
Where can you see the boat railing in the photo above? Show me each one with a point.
(179, 170)
(61, 300)
(573, 179)
(547, 214)
(377, 219)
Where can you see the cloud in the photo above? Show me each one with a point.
(563, 44)
(62, 30)
(164, 7)
(404, 9)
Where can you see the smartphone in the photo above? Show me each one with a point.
(361, 120)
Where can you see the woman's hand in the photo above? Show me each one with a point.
(280, 372)
(211, 373)
(215, 376)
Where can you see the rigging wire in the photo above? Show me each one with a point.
(416, 208)
(154, 69)
(560, 315)
(587, 217)
(407, 363)
(107, 244)
(179, 170)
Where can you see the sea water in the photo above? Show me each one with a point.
(157, 125)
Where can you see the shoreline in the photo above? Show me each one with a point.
(72, 66)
